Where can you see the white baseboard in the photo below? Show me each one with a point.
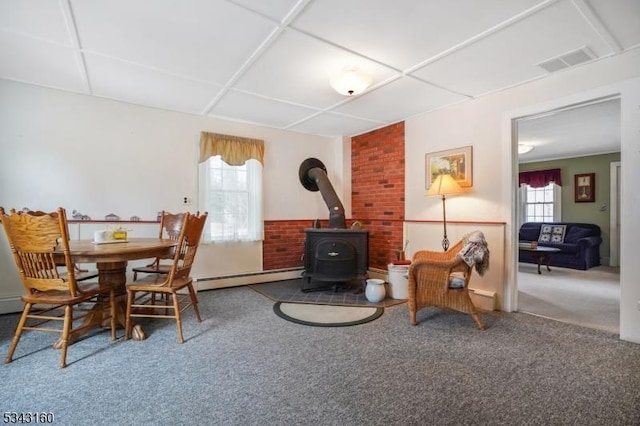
(210, 283)
(9, 305)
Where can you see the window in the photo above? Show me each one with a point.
(233, 197)
(541, 204)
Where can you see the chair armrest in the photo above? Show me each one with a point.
(155, 263)
(435, 261)
(586, 242)
(432, 272)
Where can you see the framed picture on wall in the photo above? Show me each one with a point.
(585, 188)
(457, 162)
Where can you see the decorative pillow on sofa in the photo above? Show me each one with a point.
(552, 233)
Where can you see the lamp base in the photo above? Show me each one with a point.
(445, 243)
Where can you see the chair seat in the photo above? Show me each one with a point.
(457, 280)
(153, 269)
(88, 291)
(154, 283)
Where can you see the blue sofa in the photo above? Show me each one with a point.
(580, 248)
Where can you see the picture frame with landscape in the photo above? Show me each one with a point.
(457, 162)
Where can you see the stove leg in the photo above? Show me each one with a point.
(310, 289)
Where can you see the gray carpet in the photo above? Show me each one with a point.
(246, 366)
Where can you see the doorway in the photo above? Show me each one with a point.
(557, 138)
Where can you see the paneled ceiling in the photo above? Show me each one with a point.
(588, 129)
(269, 62)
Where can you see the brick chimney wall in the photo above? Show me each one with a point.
(377, 183)
(283, 243)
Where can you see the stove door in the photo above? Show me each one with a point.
(335, 257)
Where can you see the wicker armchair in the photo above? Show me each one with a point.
(430, 276)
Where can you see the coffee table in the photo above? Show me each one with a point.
(540, 254)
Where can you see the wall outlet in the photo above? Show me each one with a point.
(187, 201)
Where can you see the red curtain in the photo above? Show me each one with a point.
(540, 178)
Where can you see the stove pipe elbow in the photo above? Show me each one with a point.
(313, 176)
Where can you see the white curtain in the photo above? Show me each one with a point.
(233, 197)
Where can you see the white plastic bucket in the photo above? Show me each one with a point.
(398, 281)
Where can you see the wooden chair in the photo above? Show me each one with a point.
(52, 292)
(80, 274)
(170, 227)
(430, 278)
(141, 293)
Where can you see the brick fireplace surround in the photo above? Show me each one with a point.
(377, 199)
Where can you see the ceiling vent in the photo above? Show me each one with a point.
(567, 60)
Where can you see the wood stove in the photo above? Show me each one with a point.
(335, 256)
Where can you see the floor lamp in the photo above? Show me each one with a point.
(444, 185)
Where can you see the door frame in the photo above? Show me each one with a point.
(510, 141)
(614, 214)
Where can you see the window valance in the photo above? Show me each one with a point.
(234, 150)
(540, 178)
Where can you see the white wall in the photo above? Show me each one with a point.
(485, 123)
(100, 156)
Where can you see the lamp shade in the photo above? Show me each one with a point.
(350, 81)
(444, 185)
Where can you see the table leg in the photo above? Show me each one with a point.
(538, 259)
(111, 274)
(115, 274)
(548, 262)
(542, 257)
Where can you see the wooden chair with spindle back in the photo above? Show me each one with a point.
(40, 245)
(170, 227)
(80, 274)
(141, 293)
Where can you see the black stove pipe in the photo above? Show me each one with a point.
(313, 176)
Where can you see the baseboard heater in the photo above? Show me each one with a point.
(234, 280)
(483, 299)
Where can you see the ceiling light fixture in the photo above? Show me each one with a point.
(350, 82)
(524, 148)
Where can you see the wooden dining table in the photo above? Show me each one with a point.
(111, 261)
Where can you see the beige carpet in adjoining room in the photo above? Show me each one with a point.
(589, 298)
